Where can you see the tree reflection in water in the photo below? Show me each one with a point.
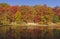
(23, 32)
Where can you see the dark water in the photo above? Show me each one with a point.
(28, 32)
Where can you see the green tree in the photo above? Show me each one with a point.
(55, 19)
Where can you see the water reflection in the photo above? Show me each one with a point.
(29, 32)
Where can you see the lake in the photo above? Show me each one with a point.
(29, 32)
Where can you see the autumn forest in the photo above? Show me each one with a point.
(41, 14)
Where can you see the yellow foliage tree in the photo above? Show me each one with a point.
(18, 17)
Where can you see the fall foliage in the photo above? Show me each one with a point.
(41, 14)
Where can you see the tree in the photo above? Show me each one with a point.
(18, 17)
(55, 19)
